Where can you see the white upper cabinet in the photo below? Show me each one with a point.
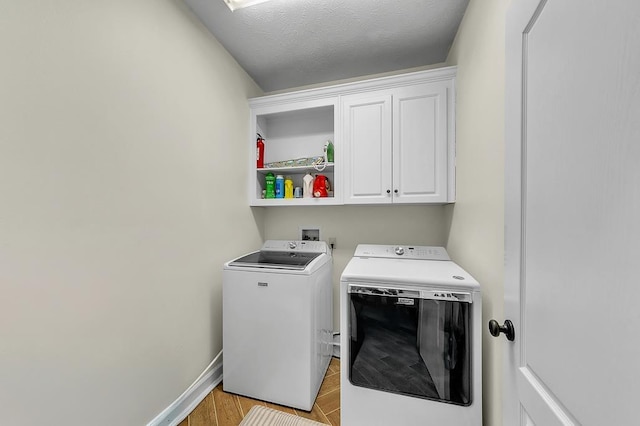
(399, 145)
(393, 140)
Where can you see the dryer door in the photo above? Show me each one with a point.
(411, 341)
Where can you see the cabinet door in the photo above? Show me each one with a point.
(420, 143)
(367, 148)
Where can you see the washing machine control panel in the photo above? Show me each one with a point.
(295, 246)
(402, 252)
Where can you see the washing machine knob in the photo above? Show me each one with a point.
(292, 245)
(399, 251)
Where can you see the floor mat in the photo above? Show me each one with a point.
(264, 416)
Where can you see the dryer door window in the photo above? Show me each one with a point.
(410, 342)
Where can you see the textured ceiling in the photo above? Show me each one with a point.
(291, 43)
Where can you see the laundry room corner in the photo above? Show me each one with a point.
(475, 223)
(353, 225)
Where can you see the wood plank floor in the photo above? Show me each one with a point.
(220, 408)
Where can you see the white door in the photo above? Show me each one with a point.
(367, 136)
(573, 213)
(420, 143)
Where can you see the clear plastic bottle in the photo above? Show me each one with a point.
(307, 186)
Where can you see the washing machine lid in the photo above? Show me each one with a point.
(283, 254)
(276, 260)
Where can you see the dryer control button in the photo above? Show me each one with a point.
(292, 245)
(399, 251)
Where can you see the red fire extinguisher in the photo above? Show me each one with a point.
(260, 152)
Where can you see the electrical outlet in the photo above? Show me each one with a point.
(332, 242)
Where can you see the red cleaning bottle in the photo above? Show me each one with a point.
(260, 152)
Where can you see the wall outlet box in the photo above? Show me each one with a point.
(310, 233)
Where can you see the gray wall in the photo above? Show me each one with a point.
(476, 220)
(121, 194)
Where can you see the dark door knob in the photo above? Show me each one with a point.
(495, 329)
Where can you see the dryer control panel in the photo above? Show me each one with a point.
(401, 252)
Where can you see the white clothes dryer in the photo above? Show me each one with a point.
(411, 348)
(277, 322)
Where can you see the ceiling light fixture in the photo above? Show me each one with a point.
(239, 4)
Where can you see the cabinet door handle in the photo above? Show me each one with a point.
(388, 191)
(395, 191)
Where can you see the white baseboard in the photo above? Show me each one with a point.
(181, 407)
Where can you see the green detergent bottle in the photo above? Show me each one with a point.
(329, 151)
(270, 186)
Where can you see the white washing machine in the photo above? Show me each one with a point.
(277, 322)
(411, 346)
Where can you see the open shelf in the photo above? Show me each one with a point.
(295, 170)
(295, 133)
